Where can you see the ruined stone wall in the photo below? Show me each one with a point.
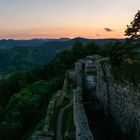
(80, 119)
(121, 101)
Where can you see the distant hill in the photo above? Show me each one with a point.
(22, 55)
(10, 43)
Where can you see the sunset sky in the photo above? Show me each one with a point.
(26, 19)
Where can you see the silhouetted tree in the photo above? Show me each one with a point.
(133, 30)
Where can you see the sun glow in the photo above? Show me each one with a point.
(54, 19)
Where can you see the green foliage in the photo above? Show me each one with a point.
(28, 58)
(91, 48)
(64, 60)
(130, 71)
(23, 55)
(124, 59)
(17, 81)
(24, 96)
(12, 85)
(116, 53)
(24, 107)
(77, 50)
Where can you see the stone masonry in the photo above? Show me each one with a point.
(121, 101)
(80, 119)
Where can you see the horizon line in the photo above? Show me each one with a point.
(59, 38)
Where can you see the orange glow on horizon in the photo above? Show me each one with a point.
(27, 19)
(64, 33)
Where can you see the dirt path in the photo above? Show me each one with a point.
(59, 121)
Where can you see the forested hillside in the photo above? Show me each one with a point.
(25, 55)
(25, 95)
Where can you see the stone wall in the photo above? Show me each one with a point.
(120, 101)
(80, 119)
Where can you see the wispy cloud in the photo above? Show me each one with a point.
(97, 35)
(108, 29)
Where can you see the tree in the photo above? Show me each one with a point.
(116, 52)
(78, 50)
(91, 48)
(133, 30)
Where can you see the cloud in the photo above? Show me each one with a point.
(108, 29)
(97, 35)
